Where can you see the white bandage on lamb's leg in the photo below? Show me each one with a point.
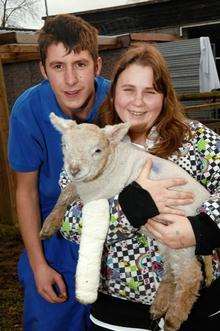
(95, 219)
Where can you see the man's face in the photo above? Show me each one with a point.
(72, 79)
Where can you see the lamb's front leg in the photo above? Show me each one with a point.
(54, 219)
(188, 277)
(95, 224)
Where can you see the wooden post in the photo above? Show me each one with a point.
(7, 182)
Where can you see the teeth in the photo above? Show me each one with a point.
(136, 113)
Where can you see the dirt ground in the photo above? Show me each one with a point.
(10, 290)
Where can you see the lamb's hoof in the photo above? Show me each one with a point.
(46, 234)
(48, 229)
(159, 308)
(172, 323)
(155, 314)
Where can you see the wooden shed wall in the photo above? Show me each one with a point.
(20, 76)
(151, 15)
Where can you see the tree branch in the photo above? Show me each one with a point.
(15, 10)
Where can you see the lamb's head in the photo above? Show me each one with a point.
(87, 148)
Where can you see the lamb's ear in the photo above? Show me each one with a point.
(61, 124)
(116, 133)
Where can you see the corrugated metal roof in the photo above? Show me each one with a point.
(183, 59)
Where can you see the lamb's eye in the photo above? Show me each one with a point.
(98, 150)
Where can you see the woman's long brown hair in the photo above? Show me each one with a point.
(171, 124)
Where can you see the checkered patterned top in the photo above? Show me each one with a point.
(131, 265)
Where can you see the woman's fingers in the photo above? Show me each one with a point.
(143, 177)
(180, 194)
(173, 230)
(178, 202)
(156, 231)
(169, 210)
(173, 182)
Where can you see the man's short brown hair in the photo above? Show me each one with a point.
(75, 34)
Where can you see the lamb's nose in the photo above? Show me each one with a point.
(75, 170)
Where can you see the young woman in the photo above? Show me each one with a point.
(142, 94)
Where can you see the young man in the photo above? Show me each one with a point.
(72, 89)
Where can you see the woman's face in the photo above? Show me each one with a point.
(136, 100)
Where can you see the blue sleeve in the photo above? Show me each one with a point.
(24, 149)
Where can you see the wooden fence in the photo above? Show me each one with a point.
(206, 102)
(7, 187)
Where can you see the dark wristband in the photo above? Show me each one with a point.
(137, 204)
(206, 232)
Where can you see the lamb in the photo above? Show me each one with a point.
(100, 164)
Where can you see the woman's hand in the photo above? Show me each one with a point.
(165, 198)
(175, 231)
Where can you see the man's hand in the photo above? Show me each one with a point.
(165, 198)
(175, 231)
(47, 279)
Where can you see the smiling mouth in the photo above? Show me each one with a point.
(136, 113)
(72, 93)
